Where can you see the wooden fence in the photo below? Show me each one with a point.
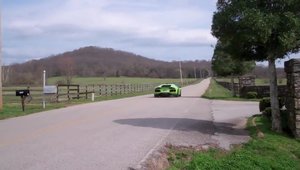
(70, 92)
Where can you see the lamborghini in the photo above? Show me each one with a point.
(166, 90)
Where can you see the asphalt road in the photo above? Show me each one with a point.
(121, 133)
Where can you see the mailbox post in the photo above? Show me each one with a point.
(23, 94)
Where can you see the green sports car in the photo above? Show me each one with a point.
(165, 90)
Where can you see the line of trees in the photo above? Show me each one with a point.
(100, 62)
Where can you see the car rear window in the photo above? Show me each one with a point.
(166, 86)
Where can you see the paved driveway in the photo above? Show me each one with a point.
(121, 133)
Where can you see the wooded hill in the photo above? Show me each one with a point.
(100, 62)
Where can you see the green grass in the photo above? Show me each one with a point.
(216, 91)
(274, 151)
(12, 103)
(260, 82)
(15, 109)
(112, 80)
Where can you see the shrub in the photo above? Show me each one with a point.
(265, 108)
(266, 102)
(251, 95)
(267, 112)
(284, 114)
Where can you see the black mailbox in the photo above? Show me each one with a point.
(22, 93)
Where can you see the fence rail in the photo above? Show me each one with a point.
(70, 92)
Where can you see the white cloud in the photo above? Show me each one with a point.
(166, 23)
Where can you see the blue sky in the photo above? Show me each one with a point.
(164, 30)
(159, 29)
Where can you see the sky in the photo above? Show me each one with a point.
(158, 29)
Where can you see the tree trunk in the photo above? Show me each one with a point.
(276, 120)
(232, 86)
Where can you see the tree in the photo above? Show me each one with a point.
(262, 31)
(67, 66)
(224, 64)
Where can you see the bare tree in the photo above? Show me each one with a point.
(67, 67)
(5, 74)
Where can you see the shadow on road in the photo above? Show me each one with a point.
(187, 97)
(184, 124)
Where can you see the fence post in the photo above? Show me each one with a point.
(68, 89)
(86, 92)
(78, 91)
(57, 93)
(121, 89)
(100, 90)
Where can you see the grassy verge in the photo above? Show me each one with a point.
(274, 151)
(218, 92)
(14, 110)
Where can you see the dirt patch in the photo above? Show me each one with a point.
(159, 160)
(259, 133)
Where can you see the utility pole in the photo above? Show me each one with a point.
(180, 70)
(44, 84)
(1, 101)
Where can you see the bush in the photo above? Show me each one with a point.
(284, 114)
(265, 108)
(267, 112)
(251, 95)
(266, 102)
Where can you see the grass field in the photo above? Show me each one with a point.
(113, 80)
(274, 151)
(266, 82)
(12, 104)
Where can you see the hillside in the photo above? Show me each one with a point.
(100, 62)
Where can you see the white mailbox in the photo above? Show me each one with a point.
(50, 90)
